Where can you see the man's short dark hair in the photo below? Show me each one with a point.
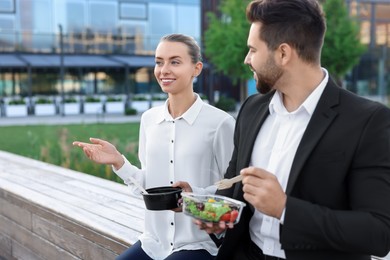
(299, 23)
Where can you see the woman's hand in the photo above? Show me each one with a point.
(213, 228)
(102, 152)
(185, 187)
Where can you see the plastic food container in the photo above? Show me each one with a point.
(162, 198)
(212, 208)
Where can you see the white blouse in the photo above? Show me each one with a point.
(195, 147)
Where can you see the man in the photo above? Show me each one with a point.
(315, 158)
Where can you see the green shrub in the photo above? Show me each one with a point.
(113, 99)
(226, 104)
(203, 96)
(159, 98)
(91, 99)
(43, 101)
(70, 100)
(139, 98)
(16, 102)
(130, 111)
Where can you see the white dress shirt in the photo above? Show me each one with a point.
(195, 147)
(274, 151)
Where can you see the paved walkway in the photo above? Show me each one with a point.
(68, 119)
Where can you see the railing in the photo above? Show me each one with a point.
(77, 42)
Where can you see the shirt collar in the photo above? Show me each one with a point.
(276, 104)
(189, 116)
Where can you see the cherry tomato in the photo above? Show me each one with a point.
(225, 217)
(233, 215)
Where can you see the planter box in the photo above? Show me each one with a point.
(93, 108)
(115, 107)
(156, 103)
(140, 106)
(45, 109)
(16, 110)
(72, 108)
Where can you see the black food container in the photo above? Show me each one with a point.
(162, 198)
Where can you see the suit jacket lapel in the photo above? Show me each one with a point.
(249, 141)
(321, 119)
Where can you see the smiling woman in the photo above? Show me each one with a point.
(183, 143)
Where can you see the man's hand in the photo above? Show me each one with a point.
(263, 191)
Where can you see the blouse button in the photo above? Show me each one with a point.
(171, 161)
(171, 244)
(171, 141)
(171, 223)
(171, 182)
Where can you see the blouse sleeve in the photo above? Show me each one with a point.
(128, 170)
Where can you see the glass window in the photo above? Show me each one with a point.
(75, 16)
(381, 34)
(103, 16)
(133, 11)
(6, 24)
(188, 20)
(161, 22)
(7, 6)
(132, 33)
(35, 19)
(42, 16)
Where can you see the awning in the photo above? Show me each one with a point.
(11, 61)
(135, 61)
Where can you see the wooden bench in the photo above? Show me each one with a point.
(49, 212)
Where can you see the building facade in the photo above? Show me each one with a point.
(371, 76)
(86, 47)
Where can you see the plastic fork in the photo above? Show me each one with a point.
(227, 183)
(136, 183)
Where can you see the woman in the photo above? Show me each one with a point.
(185, 143)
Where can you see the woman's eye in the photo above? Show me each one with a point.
(158, 63)
(174, 62)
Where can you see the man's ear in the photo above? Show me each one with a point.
(284, 53)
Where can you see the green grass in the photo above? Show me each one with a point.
(53, 144)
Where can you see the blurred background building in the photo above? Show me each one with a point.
(371, 76)
(86, 47)
(106, 47)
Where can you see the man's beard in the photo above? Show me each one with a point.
(263, 87)
(266, 79)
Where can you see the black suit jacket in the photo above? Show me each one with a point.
(338, 192)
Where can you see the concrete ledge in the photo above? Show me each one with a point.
(49, 212)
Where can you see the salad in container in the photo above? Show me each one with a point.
(212, 208)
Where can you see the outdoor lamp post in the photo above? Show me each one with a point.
(62, 109)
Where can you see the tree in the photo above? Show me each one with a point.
(342, 47)
(225, 41)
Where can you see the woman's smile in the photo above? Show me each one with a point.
(167, 81)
